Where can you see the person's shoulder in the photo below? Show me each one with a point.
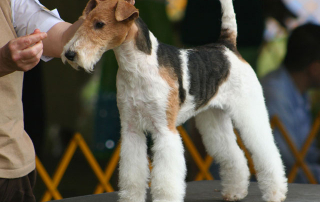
(277, 92)
(277, 87)
(277, 78)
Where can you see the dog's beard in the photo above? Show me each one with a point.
(86, 57)
(84, 60)
(88, 63)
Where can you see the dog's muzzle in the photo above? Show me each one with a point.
(70, 55)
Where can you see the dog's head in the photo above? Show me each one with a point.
(105, 26)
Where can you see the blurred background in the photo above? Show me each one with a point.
(59, 100)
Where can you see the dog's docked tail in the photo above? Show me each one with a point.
(229, 25)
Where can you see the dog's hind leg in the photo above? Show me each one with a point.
(169, 169)
(216, 129)
(133, 167)
(250, 117)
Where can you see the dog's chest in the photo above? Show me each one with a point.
(143, 94)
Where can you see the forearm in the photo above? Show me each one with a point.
(58, 36)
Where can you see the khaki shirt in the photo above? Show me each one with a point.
(17, 155)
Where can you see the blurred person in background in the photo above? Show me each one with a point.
(286, 93)
(281, 17)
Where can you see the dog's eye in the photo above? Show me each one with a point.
(99, 25)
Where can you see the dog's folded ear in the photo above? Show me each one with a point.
(126, 11)
(89, 7)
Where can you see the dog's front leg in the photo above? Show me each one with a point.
(169, 169)
(133, 168)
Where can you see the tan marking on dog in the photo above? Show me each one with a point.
(132, 33)
(227, 35)
(173, 98)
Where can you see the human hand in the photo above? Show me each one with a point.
(22, 54)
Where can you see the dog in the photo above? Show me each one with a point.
(160, 87)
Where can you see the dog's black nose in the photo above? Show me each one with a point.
(70, 55)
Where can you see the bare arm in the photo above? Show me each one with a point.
(24, 53)
(58, 36)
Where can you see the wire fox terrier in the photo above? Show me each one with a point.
(160, 87)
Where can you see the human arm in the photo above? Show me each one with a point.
(28, 16)
(24, 53)
(58, 36)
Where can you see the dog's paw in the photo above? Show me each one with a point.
(234, 195)
(235, 190)
(276, 193)
(130, 196)
(275, 196)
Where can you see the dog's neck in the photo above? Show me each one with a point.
(138, 49)
(131, 33)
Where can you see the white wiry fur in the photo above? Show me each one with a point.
(142, 96)
(243, 100)
(228, 16)
(239, 99)
(223, 146)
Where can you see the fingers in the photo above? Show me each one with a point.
(31, 62)
(26, 41)
(23, 53)
(36, 31)
(32, 51)
(27, 58)
(31, 56)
